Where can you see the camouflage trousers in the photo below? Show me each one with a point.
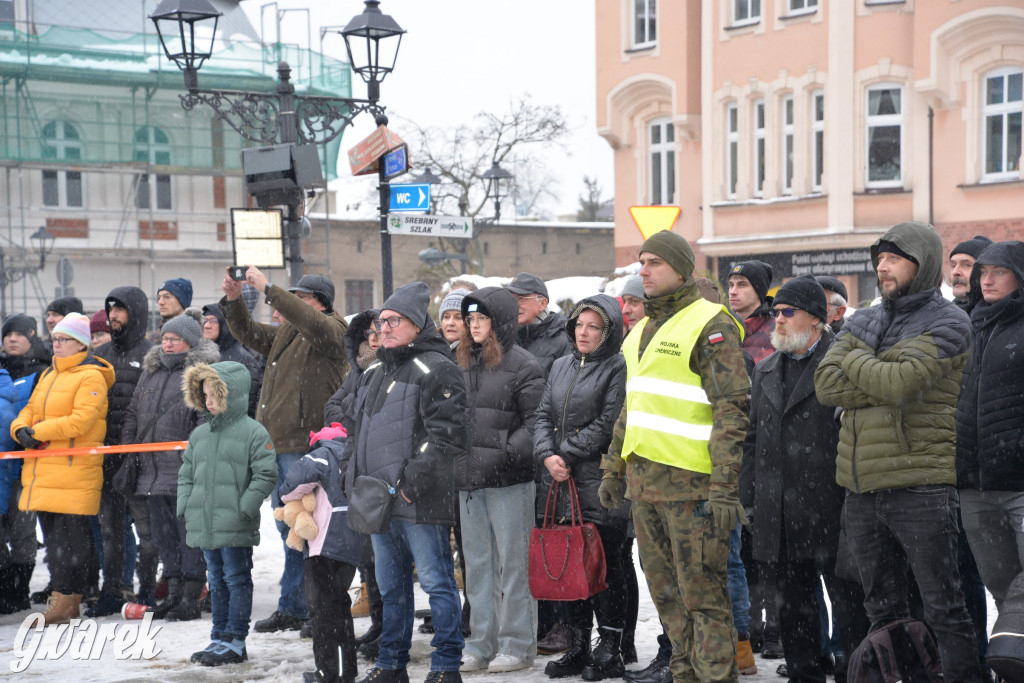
(684, 561)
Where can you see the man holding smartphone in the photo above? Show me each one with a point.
(306, 363)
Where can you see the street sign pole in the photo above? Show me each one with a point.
(385, 236)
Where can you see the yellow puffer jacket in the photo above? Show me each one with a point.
(67, 409)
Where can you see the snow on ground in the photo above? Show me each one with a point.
(275, 657)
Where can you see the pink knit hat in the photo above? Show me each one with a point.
(74, 325)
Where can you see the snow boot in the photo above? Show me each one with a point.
(576, 657)
(187, 608)
(14, 582)
(60, 608)
(228, 652)
(606, 660)
(170, 601)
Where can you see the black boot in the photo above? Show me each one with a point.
(171, 601)
(6, 588)
(349, 666)
(187, 608)
(19, 598)
(628, 648)
(606, 660)
(40, 597)
(656, 672)
(575, 658)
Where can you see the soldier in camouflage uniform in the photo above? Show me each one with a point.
(683, 483)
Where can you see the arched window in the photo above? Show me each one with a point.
(1001, 111)
(152, 146)
(61, 142)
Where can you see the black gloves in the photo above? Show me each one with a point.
(24, 436)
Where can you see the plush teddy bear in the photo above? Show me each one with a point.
(297, 515)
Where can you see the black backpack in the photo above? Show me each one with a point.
(902, 650)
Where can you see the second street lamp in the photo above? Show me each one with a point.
(187, 31)
(497, 181)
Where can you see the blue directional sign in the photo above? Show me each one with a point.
(396, 162)
(410, 198)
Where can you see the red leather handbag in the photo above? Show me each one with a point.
(566, 560)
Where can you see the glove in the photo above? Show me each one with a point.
(726, 510)
(612, 493)
(24, 437)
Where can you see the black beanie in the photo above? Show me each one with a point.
(972, 247)
(411, 300)
(673, 248)
(758, 273)
(885, 246)
(804, 293)
(21, 323)
(66, 304)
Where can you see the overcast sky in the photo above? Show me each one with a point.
(460, 57)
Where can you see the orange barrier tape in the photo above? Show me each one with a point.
(97, 450)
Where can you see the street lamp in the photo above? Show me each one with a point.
(42, 244)
(496, 181)
(281, 117)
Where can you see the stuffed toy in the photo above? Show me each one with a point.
(297, 515)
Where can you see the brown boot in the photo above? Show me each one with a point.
(745, 658)
(361, 605)
(60, 608)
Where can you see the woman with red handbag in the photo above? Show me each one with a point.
(495, 478)
(582, 400)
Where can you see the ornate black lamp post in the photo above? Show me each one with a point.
(497, 181)
(42, 244)
(187, 29)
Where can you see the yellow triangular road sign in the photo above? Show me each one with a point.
(652, 219)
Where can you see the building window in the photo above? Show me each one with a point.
(645, 21)
(787, 144)
(802, 6)
(732, 142)
(746, 11)
(152, 146)
(818, 139)
(62, 142)
(358, 296)
(543, 247)
(577, 248)
(663, 162)
(1002, 114)
(759, 148)
(885, 136)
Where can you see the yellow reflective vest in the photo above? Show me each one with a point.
(668, 414)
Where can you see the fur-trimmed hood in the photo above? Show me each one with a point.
(230, 382)
(207, 352)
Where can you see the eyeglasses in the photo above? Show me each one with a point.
(371, 332)
(305, 296)
(477, 319)
(170, 340)
(785, 312)
(524, 297)
(210, 321)
(63, 340)
(391, 322)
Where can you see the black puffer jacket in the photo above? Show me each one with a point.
(410, 405)
(231, 349)
(337, 406)
(501, 403)
(582, 399)
(545, 339)
(990, 411)
(159, 401)
(125, 351)
(34, 361)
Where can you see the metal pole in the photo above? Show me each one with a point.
(385, 236)
(288, 126)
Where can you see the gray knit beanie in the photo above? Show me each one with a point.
(452, 302)
(186, 326)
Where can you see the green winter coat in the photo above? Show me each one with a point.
(230, 465)
(895, 370)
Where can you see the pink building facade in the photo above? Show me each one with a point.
(796, 131)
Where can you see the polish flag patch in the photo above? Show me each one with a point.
(716, 337)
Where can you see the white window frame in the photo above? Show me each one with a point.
(745, 12)
(817, 139)
(787, 144)
(1004, 110)
(644, 19)
(154, 192)
(732, 144)
(661, 154)
(64, 180)
(758, 113)
(880, 121)
(798, 7)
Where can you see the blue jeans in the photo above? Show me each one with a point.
(394, 553)
(229, 573)
(738, 592)
(293, 579)
(916, 528)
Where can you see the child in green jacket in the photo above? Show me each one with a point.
(228, 469)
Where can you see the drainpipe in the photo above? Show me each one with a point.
(931, 166)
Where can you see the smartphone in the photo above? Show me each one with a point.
(237, 272)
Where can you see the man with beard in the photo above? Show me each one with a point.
(961, 261)
(788, 479)
(895, 370)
